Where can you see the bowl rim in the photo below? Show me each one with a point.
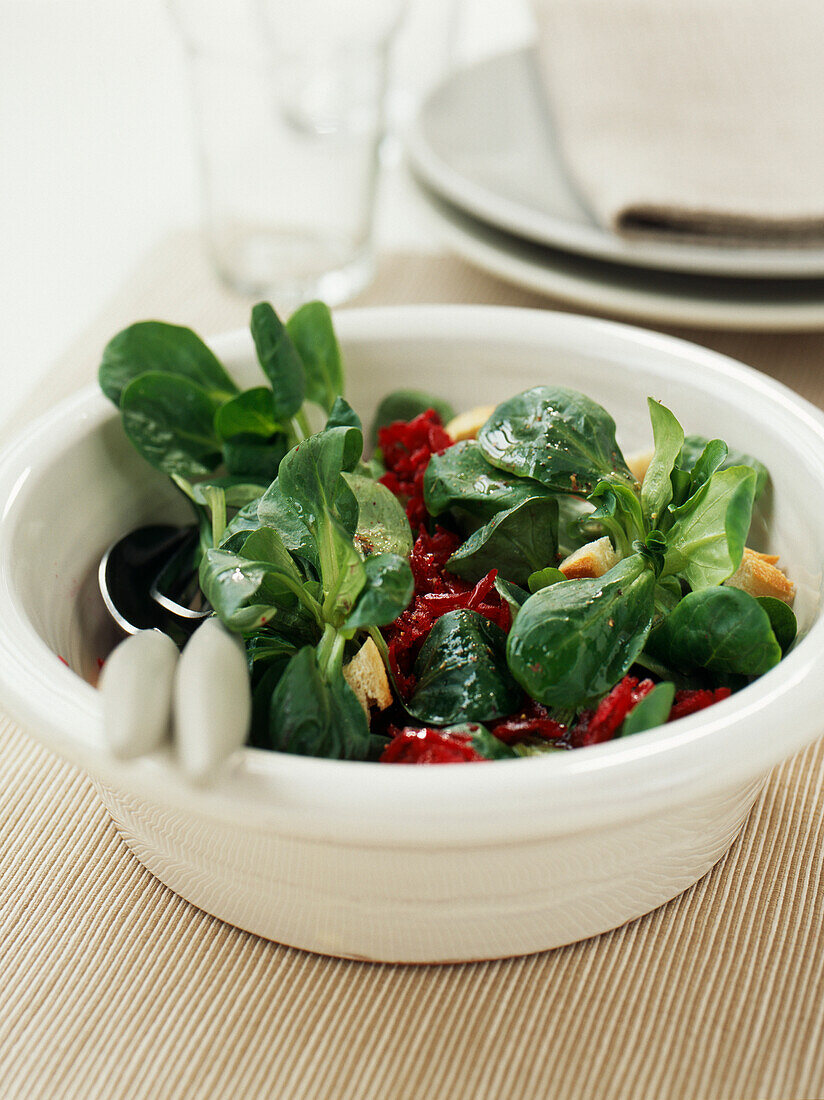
(372, 803)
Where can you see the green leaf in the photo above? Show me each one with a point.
(483, 742)
(618, 514)
(706, 543)
(405, 405)
(570, 643)
(514, 595)
(694, 445)
(782, 620)
(170, 422)
(721, 629)
(265, 544)
(275, 510)
(462, 478)
(280, 361)
(557, 436)
(516, 543)
(382, 524)
(387, 592)
(461, 672)
(342, 415)
(251, 413)
(249, 594)
(314, 716)
(160, 348)
(253, 458)
(237, 492)
(656, 491)
(543, 578)
(653, 710)
(312, 333)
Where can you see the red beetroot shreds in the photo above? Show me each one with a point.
(601, 725)
(436, 592)
(406, 450)
(689, 702)
(428, 746)
(532, 720)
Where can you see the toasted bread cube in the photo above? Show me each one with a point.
(366, 676)
(638, 464)
(592, 560)
(758, 575)
(467, 425)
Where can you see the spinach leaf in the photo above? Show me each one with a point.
(461, 477)
(570, 643)
(314, 716)
(653, 710)
(386, 593)
(461, 672)
(253, 458)
(706, 542)
(514, 595)
(483, 742)
(721, 629)
(280, 361)
(405, 405)
(342, 415)
(263, 687)
(275, 510)
(516, 543)
(543, 578)
(248, 594)
(311, 332)
(160, 348)
(782, 620)
(310, 476)
(170, 422)
(251, 413)
(382, 524)
(558, 436)
(656, 490)
(236, 530)
(695, 445)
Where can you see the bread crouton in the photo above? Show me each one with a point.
(638, 464)
(467, 425)
(366, 676)
(592, 560)
(759, 576)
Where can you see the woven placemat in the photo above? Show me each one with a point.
(112, 986)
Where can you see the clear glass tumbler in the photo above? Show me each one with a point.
(289, 113)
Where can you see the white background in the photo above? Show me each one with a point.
(96, 157)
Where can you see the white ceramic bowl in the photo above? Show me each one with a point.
(413, 863)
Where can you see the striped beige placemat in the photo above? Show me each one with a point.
(111, 986)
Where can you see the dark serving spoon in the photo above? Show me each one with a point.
(148, 581)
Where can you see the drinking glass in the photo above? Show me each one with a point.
(289, 113)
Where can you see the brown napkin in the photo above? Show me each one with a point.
(697, 117)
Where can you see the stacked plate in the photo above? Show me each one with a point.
(485, 156)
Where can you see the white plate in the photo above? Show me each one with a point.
(483, 139)
(662, 297)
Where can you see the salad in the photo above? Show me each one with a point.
(449, 588)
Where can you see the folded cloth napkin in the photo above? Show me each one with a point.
(697, 117)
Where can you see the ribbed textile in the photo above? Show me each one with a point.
(113, 987)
